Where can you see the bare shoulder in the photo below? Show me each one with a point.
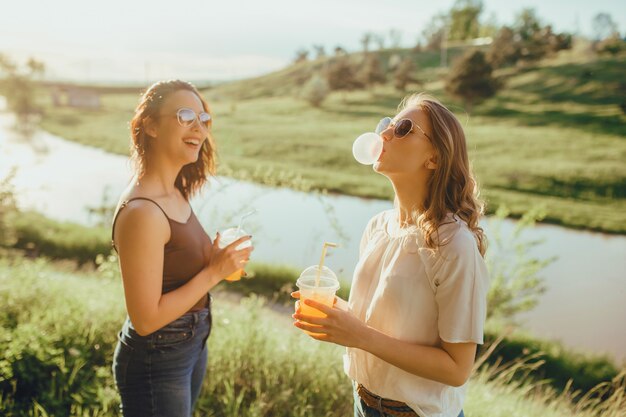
(141, 219)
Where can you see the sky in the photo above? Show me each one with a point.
(146, 40)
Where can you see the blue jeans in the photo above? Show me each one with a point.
(363, 410)
(160, 375)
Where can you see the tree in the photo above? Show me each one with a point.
(603, 26)
(302, 55)
(394, 62)
(320, 52)
(37, 68)
(380, 41)
(403, 75)
(418, 46)
(527, 41)
(471, 79)
(490, 27)
(527, 24)
(395, 38)
(464, 19)
(366, 40)
(19, 89)
(504, 49)
(315, 90)
(371, 72)
(8, 210)
(611, 45)
(435, 32)
(340, 74)
(340, 51)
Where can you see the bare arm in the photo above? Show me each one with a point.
(450, 364)
(141, 233)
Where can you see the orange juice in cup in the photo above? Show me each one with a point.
(318, 283)
(227, 237)
(321, 289)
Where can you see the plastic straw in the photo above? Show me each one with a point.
(243, 218)
(321, 265)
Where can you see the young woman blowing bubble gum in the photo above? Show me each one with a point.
(418, 300)
(167, 261)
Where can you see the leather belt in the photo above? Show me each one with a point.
(383, 405)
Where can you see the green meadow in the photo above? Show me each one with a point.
(57, 342)
(553, 137)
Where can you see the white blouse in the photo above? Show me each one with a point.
(418, 295)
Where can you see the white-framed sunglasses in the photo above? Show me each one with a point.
(187, 117)
(401, 128)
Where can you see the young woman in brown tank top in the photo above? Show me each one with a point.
(167, 261)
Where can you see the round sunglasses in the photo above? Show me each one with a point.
(187, 117)
(401, 128)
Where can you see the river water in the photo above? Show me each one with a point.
(584, 305)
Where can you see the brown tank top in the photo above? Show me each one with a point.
(183, 253)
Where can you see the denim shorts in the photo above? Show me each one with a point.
(363, 410)
(160, 375)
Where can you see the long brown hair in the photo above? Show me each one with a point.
(192, 176)
(452, 186)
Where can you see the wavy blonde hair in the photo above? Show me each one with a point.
(452, 186)
(192, 176)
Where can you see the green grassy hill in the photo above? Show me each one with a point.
(288, 81)
(554, 136)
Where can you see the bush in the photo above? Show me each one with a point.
(8, 211)
(515, 284)
(471, 79)
(57, 339)
(553, 363)
(40, 236)
(612, 45)
(371, 71)
(315, 90)
(341, 74)
(403, 74)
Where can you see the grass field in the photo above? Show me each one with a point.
(553, 137)
(57, 341)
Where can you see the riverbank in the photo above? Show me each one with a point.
(52, 174)
(531, 146)
(87, 248)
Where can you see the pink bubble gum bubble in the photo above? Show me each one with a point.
(367, 148)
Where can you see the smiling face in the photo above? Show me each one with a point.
(180, 143)
(411, 155)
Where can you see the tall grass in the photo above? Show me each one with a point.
(59, 329)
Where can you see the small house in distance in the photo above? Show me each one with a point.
(75, 96)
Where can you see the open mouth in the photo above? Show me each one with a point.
(193, 143)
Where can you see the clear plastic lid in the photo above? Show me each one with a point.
(308, 277)
(228, 236)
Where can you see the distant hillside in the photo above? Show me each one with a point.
(289, 80)
(552, 137)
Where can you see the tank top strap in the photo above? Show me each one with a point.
(122, 206)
